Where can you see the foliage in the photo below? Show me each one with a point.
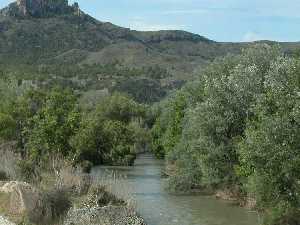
(270, 150)
(53, 125)
(238, 125)
(142, 90)
(106, 136)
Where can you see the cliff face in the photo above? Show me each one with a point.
(39, 8)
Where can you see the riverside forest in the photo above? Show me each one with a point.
(105, 125)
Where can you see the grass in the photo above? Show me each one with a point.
(8, 162)
(4, 201)
(117, 185)
(62, 187)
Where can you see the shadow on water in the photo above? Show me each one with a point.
(158, 207)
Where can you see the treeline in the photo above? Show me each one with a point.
(46, 123)
(238, 128)
(85, 77)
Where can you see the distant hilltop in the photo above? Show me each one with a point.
(39, 8)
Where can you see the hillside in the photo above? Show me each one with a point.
(63, 44)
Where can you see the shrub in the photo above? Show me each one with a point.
(282, 214)
(59, 202)
(8, 162)
(108, 135)
(53, 205)
(86, 166)
(29, 171)
(3, 176)
(270, 149)
(74, 180)
(98, 196)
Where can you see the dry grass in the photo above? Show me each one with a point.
(73, 179)
(8, 161)
(118, 186)
(4, 200)
(62, 175)
(62, 186)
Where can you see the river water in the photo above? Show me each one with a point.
(158, 207)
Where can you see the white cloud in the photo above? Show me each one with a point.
(144, 26)
(188, 11)
(252, 36)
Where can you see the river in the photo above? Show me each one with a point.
(158, 207)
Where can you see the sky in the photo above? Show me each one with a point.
(219, 20)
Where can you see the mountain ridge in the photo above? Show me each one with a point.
(65, 38)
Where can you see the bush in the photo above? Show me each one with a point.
(282, 214)
(238, 127)
(3, 176)
(73, 180)
(86, 166)
(270, 149)
(98, 196)
(59, 202)
(53, 206)
(28, 171)
(8, 161)
(108, 135)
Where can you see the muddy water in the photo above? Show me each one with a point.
(158, 207)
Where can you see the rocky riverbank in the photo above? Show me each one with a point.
(107, 215)
(4, 221)
(20, 201)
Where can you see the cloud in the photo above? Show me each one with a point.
(188, 11)
(252, 36)
(144, 26)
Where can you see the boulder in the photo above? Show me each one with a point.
(108, 215)
(24, 201)
(4, 221)
(23, 198)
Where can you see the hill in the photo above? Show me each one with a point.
(49, 41)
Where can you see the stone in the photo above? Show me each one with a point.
(108, 215)
(23, 198)
(22, 6)
(4, 221)
(24, 201)
(43, 7)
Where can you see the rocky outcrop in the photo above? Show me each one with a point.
(23, 198)
(40, 8)
(4, 221)
(108, 215)
(24, 201)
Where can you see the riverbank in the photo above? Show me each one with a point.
(233, 194)
(51, 193)
(158, 207)
(22, 203)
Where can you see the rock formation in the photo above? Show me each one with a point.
(108, 215)
(23, 198)
(22, 4)
(40, 8)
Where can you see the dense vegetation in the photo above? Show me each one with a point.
(46, 123)
(237, 128)
(58, 46)
(74, 87)
(109, 78)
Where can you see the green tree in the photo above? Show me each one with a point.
(269, 154)
(120, 107)
(107, 135)
(53, 126)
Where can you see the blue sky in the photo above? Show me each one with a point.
(220, 20)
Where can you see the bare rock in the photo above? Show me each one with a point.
(23, 200)
(4, 221)
(23, 197)
(108, 215)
